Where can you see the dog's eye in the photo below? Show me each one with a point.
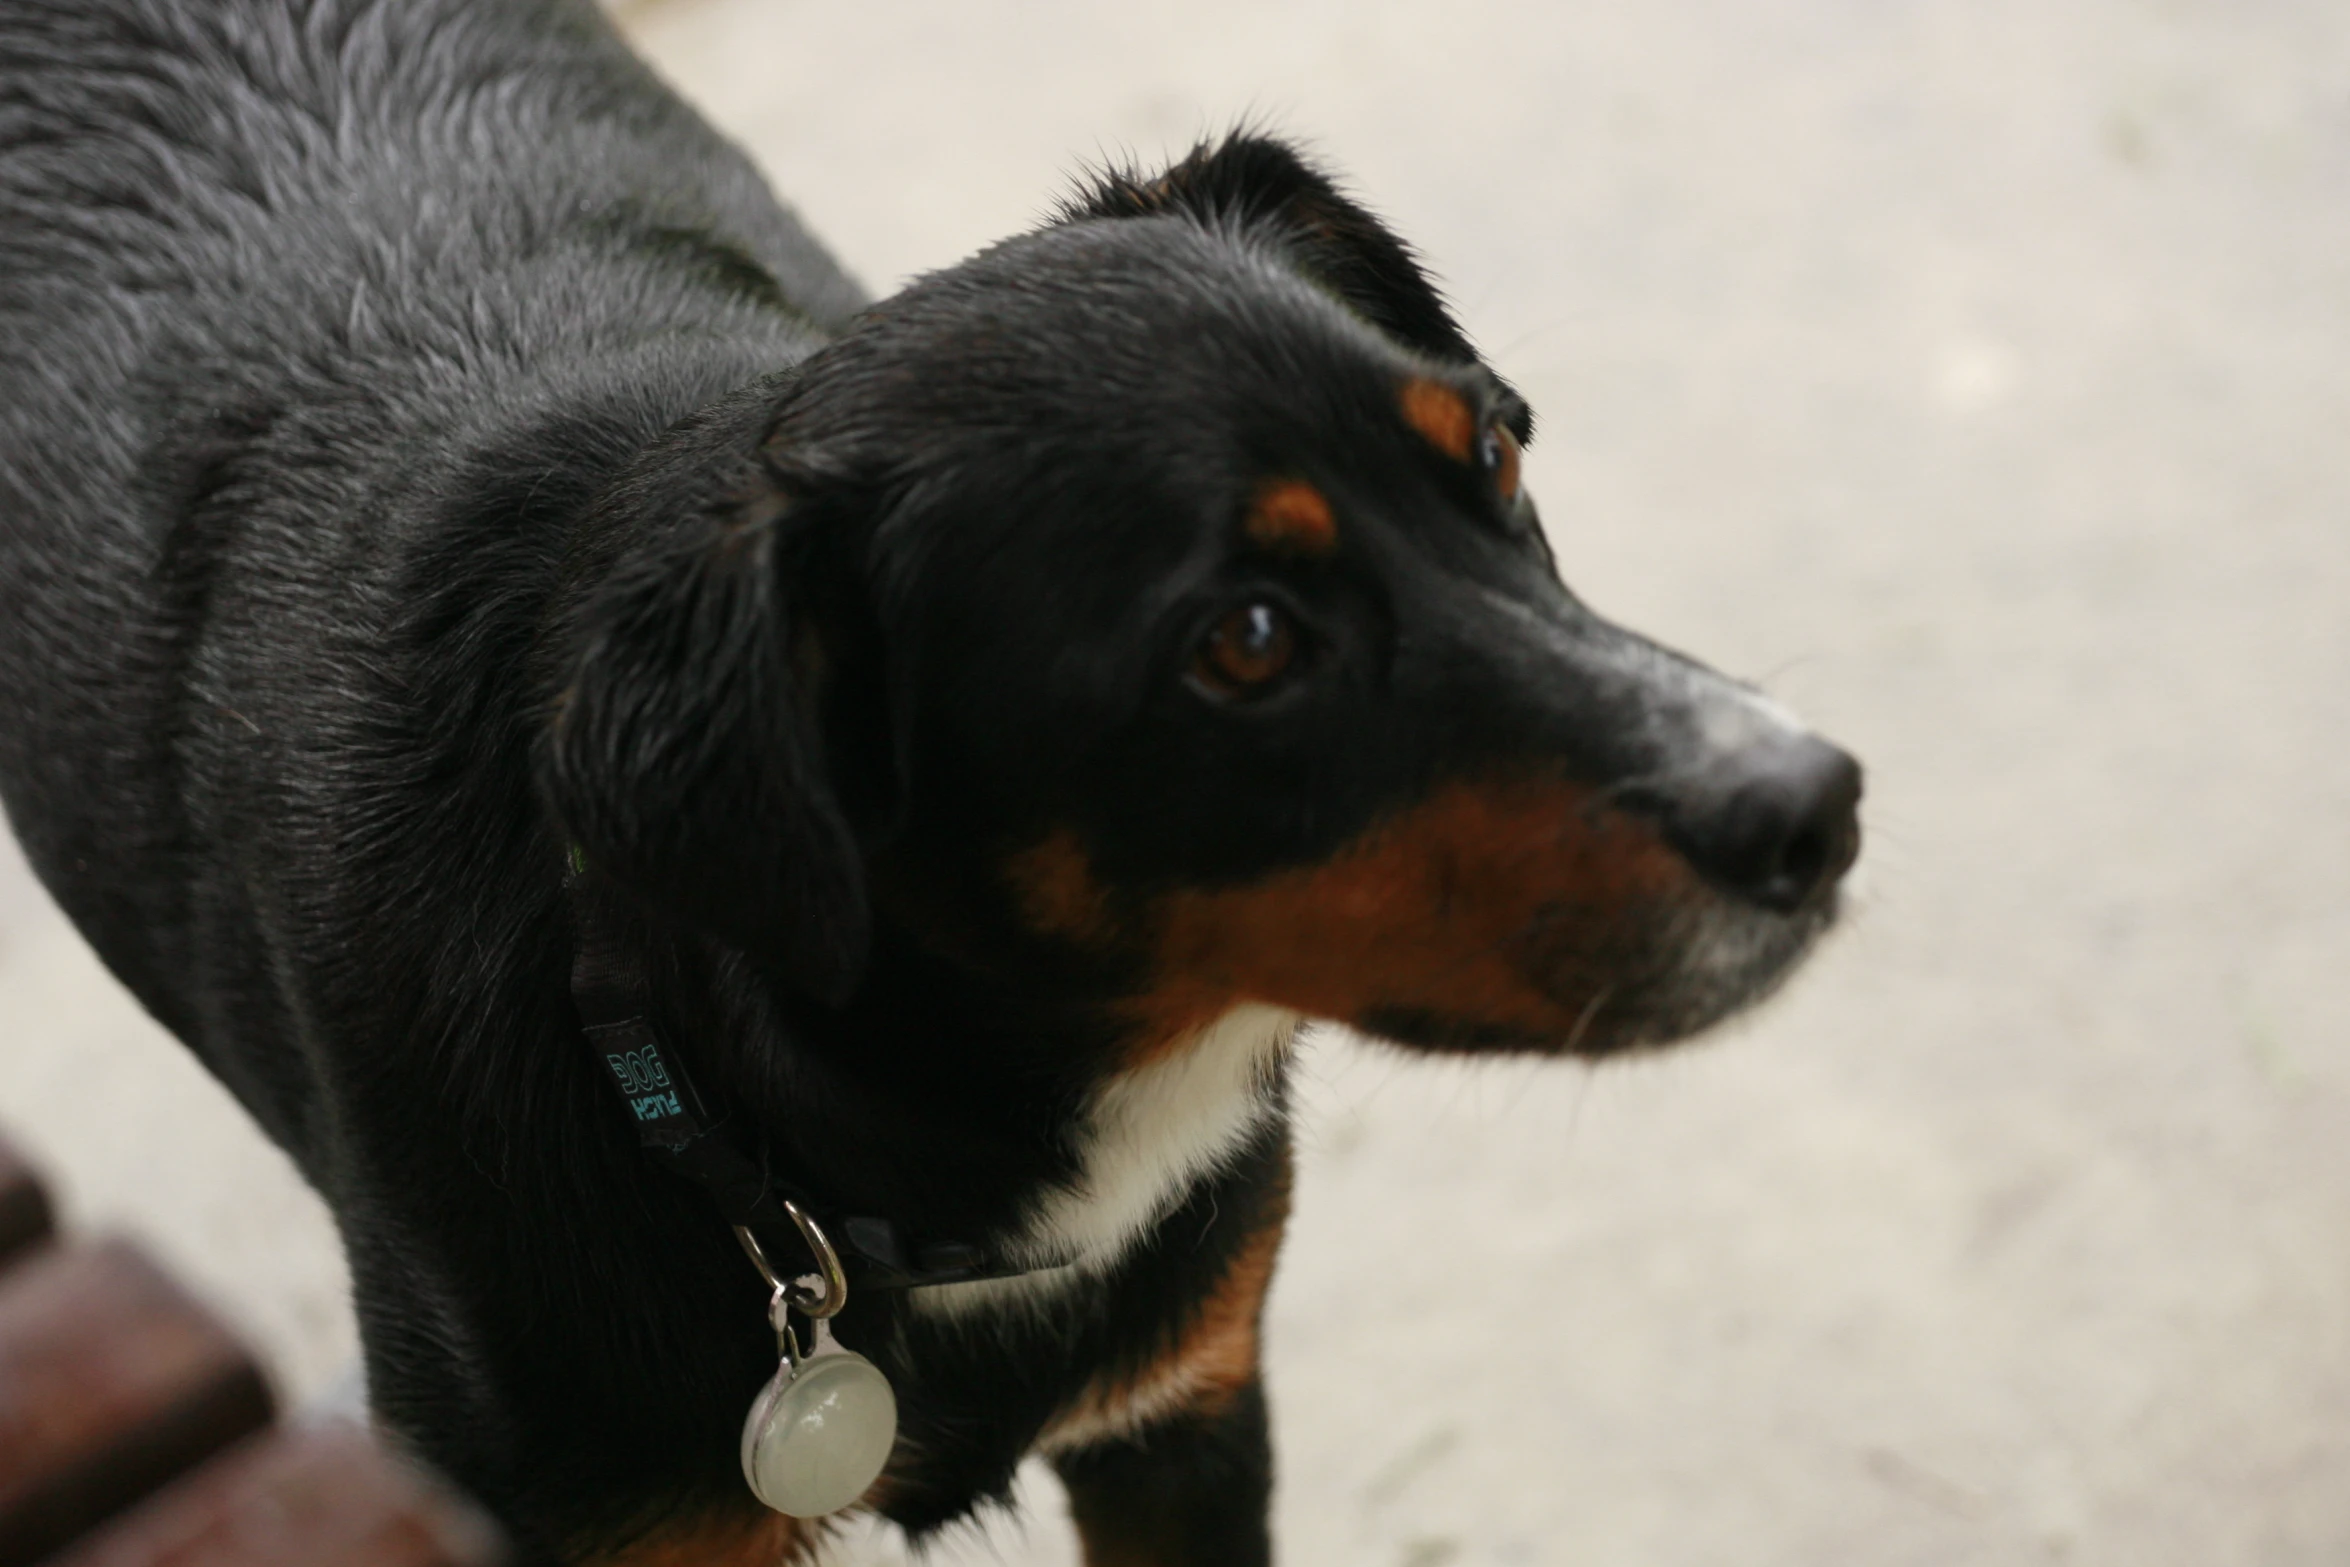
(1497, 453)
(1247, 650)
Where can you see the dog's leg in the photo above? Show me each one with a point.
(1191, 1490)
(1173, 1467)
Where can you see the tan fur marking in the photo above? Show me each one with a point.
(1221, 1354)
(1511, 906)
(1290, 514)
(736, 1540)
(1441, 415)
(1216, 1355)
(1057, 891)
(1506, 905)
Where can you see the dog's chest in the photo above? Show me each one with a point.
(1144, 1139)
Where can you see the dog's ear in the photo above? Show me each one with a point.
(685, 756)
(1250, 182)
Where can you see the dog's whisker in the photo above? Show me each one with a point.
(1590, 1015)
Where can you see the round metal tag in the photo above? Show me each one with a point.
(819, 1433)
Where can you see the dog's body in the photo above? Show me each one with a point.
(426, 453)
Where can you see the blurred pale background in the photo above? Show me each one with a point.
(1976, 373)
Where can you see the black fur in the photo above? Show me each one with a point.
(425, 448)
(1195, 1489)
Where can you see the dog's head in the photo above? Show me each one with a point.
(1153, 602)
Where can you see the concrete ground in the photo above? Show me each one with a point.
(1975, 373)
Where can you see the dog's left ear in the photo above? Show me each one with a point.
(1254, 182)
(685, 757)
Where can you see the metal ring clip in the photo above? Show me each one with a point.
(813, 1295)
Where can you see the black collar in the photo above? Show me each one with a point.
(675, 1127)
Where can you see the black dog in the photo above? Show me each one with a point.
(439, 489)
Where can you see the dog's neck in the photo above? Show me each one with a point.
(1142, 1140)
(941, 1101)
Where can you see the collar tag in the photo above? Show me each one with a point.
(631, 1054)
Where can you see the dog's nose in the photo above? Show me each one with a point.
(1775, 822)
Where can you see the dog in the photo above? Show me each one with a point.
(452, 519)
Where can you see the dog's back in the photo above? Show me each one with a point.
(241, 245)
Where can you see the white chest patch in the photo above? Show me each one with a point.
(1148, 1136)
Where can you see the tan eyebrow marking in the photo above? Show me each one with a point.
(1058, 892)
(1291, 514)
(1441, 415)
